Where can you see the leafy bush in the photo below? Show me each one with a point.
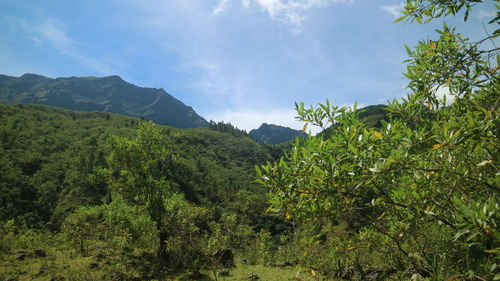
(187, 227)
(422, 187)
(261, 250)
(229, 232)
(129, 221)
(83, 227)
(7, 235)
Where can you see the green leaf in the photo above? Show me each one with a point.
(408, 50)
(305, 127)
(484, 163)
(401, 18)
(259, 172)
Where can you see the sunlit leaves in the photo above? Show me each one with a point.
(429, 176)
(423, 11)
(139, 170)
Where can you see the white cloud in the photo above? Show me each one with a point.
(291, 12)
(213, 80)
(443, 92)
(228, 70)
(54, 31)
(221, 7)
(394, 10)
(245, 3)
(482, 14)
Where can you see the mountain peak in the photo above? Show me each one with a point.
(274, 134)
(32, 76)
(113, 77)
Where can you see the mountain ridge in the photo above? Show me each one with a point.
(108, 94)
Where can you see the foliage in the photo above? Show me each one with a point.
(49, 161)
(424, 10)
(261, 249)
(421, 190)
(84, 225)
(48, 157)
(7, 234)
(188, 232)
(230, 232)
(115, 225)
(15, 236)
(371, 115)
(128, 225)
(226, 128)
(139, 171)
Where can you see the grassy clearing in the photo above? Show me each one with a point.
(59, 265)
(265, 273)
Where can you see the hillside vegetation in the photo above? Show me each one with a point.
(49, 155)
(55, 193)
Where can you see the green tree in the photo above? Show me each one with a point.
(422, 189)
(139, 171)
(84, 225)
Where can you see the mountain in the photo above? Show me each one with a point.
(274, 134)
(111, 94)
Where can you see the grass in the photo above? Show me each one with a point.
(60, 263)
(272, 273)
(265, 273)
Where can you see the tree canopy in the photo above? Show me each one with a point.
(422, 189)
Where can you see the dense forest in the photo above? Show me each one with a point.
(403, 191)
(54, 181)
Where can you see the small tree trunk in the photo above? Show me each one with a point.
(162, 236)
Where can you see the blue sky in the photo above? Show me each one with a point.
(243, 61)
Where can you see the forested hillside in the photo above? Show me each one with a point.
(48, 158)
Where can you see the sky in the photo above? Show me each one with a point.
(241, 61)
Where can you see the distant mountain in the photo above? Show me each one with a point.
(274, 134)
(111, 94)
(372, 115)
